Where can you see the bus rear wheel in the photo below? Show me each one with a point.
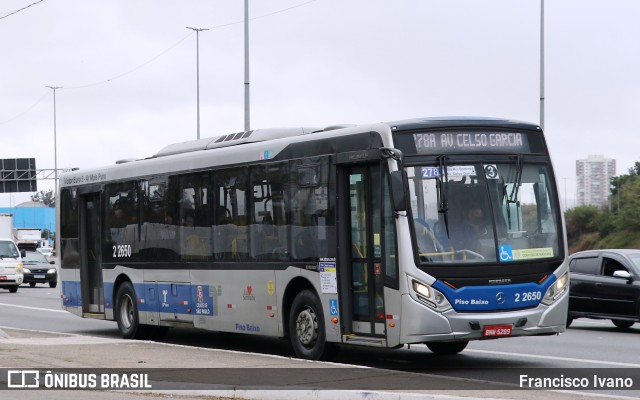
(444, 348)
(622, 324)
(127, 312)
(306, 328)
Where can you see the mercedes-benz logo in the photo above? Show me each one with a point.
(500, 297)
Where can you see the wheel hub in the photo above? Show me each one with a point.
(126, 312)
(306, 327)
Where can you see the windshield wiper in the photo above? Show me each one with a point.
(443, 189)
(512, 198)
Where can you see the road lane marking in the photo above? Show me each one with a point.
(581, 360)
(33, 308)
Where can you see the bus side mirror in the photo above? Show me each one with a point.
(399, 184)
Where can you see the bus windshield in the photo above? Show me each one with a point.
(479, 213)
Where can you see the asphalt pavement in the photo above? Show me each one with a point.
(116, 368)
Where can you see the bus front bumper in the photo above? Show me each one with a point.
(427, 325)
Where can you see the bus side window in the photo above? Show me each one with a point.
(268, 231)
(309, 209)
(158, 235)
(304, 243)
(229, 228)
(69, 250)
(195, 230)
(121, 220)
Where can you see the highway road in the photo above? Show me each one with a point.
(587, 344)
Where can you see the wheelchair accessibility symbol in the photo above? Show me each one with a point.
(333, 307)
(505, 253)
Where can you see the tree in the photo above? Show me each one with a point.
(590, 227)
(47, 198)
(617, 182)
(629, 211)
(582, 220)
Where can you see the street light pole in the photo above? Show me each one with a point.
(542, 64)
(247, 118)
(198, 30)
(55, 142)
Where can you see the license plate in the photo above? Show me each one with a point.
(497, 330)
(38, 276)
(3, 278)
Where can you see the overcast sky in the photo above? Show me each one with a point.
(127, 69)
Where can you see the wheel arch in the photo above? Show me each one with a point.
(116, 285)
(294, 287)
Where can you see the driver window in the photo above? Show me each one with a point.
(609, 266)
(471, 227)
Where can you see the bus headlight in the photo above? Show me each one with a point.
(556, 290)
(421, 289)
(430, 296)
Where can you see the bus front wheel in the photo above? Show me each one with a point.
(445, 348)
(306, 328)
(127, 312)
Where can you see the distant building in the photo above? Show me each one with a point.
(32, 214)
(593, 180)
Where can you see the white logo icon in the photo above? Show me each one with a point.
(23, 379)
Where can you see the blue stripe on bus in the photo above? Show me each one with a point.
(71, 294)
(108, 295)
(175, 298)
(500, 297)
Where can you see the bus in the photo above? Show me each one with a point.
(433, 230)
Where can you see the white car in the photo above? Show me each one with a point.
(11, 275)
(47, 251)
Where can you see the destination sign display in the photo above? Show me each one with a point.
(470, 141)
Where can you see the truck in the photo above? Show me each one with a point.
(11, 274)
(6, 226)
(27, 238)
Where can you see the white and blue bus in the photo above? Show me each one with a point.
(435, 231)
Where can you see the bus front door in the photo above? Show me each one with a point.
(366, 282)
(90, 267)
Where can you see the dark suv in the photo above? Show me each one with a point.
(605, 284)
(38, 269)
